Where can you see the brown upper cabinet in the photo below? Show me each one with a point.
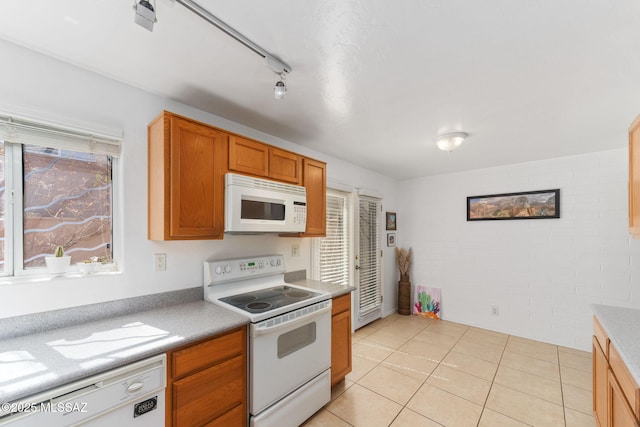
(259, 159)
(248, 156)
(634, 178)
(314, 175)
(285, 166)
(187, 163)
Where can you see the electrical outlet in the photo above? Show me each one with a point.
(159, 262)
(295, 249)
(495, 311)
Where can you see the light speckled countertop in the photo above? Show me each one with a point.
(621, 325)
(333, 288)
(45, 350)
(39, 361)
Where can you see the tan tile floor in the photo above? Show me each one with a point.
(412, 371)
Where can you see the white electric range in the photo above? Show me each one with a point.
(289, 337)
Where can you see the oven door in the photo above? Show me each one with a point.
(288, 351)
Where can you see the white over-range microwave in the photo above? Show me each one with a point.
(254, 205)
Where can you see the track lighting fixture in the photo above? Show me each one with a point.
(146, 17)
(280, 88)
(145, 14)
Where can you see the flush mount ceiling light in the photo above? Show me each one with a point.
(144, 9)
(450, 141)
(145, 14)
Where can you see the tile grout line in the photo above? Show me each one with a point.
(564, 409)
(423, 382)
(484, 406)
(468, 328)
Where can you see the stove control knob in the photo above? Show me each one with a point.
(227, 268)
(278, 262)
(272, 262)
(218, 270)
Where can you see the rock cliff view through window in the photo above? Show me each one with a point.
(67, 199)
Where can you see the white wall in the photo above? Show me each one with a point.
(30, 81)
(542, 274)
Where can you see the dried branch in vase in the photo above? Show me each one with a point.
(404, 258)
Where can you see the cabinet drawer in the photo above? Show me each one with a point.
(200, 398)
(601, 336)
(200, 356)
(625, 380)
(340, 304)
(234, 418)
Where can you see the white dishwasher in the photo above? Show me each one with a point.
(132, 395)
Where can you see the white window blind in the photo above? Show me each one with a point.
(334, 248)
(369, 291)
(30, 132)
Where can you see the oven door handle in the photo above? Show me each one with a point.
(259, 331)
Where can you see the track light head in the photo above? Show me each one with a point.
(280, 89)
(145, 14)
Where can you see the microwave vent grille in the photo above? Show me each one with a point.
(264, 184)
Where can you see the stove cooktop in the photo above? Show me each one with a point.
(264, 300)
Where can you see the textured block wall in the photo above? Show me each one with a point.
(541, 274)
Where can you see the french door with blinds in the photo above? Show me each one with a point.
(350, 254)
(368, 264)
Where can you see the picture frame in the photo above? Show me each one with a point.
(542, 204)
(391, 220)
(391, 239)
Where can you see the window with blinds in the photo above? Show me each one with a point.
(370, 283)
(333, 264)
(56, 189)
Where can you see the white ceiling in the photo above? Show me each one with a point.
(374, 81)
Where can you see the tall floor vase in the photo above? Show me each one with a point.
(404, 295)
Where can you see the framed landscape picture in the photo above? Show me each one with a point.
(525, 205)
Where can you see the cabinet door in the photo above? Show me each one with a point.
(197, 159)
(201, 398)
(285, 166)
(620, 414)
(624, 379)
(600, 376)
(314, 175)
(634, 178)
(247, 156)
(341, 341)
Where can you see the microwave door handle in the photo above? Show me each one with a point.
(302, 319)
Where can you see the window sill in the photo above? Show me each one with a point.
(74, 273)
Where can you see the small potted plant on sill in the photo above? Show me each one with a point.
(91, 265)
(58, 263)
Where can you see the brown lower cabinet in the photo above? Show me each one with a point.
(616, 396)
(207, 382)
(340, 338)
